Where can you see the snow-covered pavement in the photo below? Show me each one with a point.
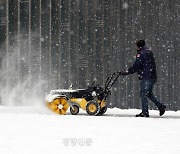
(36, 130)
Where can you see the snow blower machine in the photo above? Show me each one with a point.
(92, 100)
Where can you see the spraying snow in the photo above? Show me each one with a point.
(22, 82)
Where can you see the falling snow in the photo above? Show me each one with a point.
(55, 43)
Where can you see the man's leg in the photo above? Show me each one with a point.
(155, 100)
(144, 85)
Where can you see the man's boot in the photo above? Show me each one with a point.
(162, 110)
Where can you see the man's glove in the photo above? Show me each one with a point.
(123, 72)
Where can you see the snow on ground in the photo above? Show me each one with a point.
(36, 130)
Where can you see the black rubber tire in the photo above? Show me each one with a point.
(102, 110)
(92, 108)
(75, 111)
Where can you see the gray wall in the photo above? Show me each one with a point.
(74, 41)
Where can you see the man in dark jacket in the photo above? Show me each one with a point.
(145, 67)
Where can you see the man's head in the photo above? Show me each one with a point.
(140, 43)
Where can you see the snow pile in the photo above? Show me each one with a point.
(29, 130)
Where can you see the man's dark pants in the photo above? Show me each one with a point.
(147, 92)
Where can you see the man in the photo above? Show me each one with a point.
(145, 66)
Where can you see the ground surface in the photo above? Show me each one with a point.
(31, 130)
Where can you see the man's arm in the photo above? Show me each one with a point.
(134, 68)
(137, 64)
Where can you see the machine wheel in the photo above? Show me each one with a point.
(75, 111)
(102, 110)
(59, 105)
(92, 108)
